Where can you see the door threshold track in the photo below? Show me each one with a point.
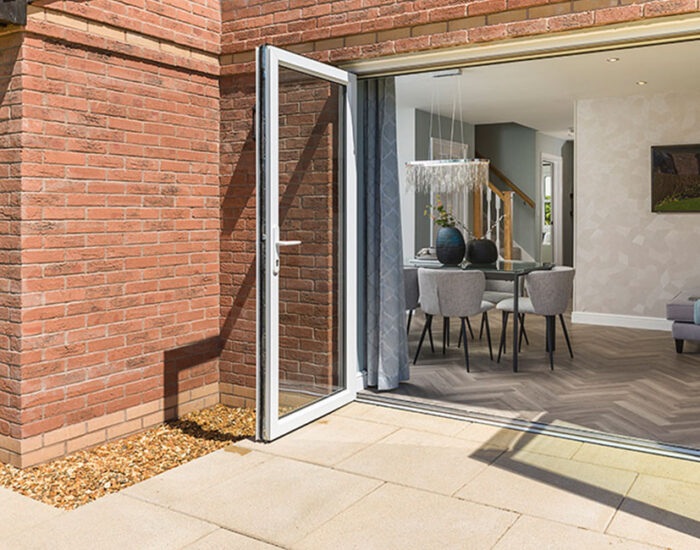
(529, 426)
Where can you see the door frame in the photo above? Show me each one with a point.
(557, 163)
(269, 59)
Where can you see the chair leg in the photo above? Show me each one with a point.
(447, 331)
(481, 329)
(502, 347)
(485, 321)
(426, 328)
(550, 339)
(469, 325)
(445, 322)
(408, 325)
(466, 345)
(430, 334)
(679, 346)
(522, 332)
(459, 340)
(522, 324)
(566, 335)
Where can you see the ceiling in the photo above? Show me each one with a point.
(541, 93)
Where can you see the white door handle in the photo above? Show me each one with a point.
(278, 244)
(287, 243)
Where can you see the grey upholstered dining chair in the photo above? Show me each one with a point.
(410, 278)
(497, 291)
(452, 294)
(549, 293)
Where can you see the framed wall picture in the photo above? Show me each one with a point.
(675, 178)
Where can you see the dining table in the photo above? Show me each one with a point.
(501, 270)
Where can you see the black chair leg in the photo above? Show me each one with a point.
(469, 325)
(408, 325)
(566, 335)
(481, 329)
(459, 340)
(522, 332)
(522, 324)
(466, 345)
(430, 334)
(550, 339)
(445, 329)
(502, 347)
(426, 328)
(485, 321)
(679, 346)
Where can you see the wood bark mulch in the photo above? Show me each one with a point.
(87, 475)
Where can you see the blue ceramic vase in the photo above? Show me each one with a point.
(450, 246)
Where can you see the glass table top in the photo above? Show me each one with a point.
(500, 266)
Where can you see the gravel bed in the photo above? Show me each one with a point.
(84, 476)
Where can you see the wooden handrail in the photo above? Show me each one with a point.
(496, 191)
(509, 183)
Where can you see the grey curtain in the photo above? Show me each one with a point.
(387, 348)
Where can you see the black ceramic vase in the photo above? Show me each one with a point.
(450, 246)
(482, 251)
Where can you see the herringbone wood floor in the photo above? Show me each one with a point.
(622, 381)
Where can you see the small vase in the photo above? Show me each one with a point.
(482, 252)
(450, 246)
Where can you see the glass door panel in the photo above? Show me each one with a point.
(307, 182)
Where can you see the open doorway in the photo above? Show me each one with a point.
(552, 209)
(565, 131)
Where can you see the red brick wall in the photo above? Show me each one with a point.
(237, 240)
(120, 225)
(352, 29)
(10, 154)
(195, 23)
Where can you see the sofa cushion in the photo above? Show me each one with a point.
(686, 331)
(681, 307)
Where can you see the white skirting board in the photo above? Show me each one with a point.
(626, 321)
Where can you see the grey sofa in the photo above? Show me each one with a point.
(680, 310)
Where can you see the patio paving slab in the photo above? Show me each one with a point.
(278, 501)
(576, 493)
(223, 539)
(660, 511)
(403, 419)
(326, 442)
(654, 465)
(186, 480)
(511, 440)
(422, 460)
(18, 512)
(530, 533)
(403, 518)
(114, 522)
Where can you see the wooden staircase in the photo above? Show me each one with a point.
(492, 213)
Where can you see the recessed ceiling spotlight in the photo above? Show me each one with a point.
(642, 82)
(613, 59)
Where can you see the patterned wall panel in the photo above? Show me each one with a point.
(629, 260)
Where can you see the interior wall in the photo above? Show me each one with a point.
(629, 260)
(512, 148)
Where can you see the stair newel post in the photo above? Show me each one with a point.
(478, 216)
(508, 225)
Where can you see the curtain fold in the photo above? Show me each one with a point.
(385, 307)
